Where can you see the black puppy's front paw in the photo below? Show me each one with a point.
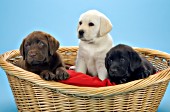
(123, 80)
(61, 74)
(145, 74)
(47, 75)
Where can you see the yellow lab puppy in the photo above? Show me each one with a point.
(95, 41)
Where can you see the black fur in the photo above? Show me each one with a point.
(124, 65)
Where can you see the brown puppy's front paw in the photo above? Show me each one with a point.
(47, 75)
(61, 74)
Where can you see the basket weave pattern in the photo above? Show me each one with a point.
(34, 94)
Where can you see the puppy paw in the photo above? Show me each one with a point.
(145, 74)
(47, 75)
(61, 74)
(72, 68)
(123, 80)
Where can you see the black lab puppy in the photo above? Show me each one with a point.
(124, 64)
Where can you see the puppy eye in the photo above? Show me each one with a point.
(41, 44)
(27, 45)
(122, 60)
(110, 61)
(91, 24)
(80, 23)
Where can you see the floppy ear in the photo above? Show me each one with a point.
(53, 44)
(105, 26)
(135, 61)
(22, 50)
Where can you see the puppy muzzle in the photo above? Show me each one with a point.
(35, 62)
(35, 58)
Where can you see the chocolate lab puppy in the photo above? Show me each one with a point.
(124, 65)
(39, 51)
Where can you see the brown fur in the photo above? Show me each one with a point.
(39, 51)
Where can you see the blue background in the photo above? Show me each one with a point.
(139, 23)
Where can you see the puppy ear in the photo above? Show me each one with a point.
(22, 50)
(105, 26)
(53, 44)
(135, 61)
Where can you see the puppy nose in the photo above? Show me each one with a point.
(113, 70)
(81, 32)
(32, 54)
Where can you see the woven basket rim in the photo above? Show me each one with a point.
(20, 73)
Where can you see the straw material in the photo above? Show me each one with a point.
(34, 94)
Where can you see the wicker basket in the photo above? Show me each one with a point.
(34, 94)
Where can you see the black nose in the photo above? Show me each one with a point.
(113, 70)
(81, 32)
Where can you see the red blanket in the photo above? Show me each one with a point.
(80, 79)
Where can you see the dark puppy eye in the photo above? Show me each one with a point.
(91, 24)
(80, 23)
(41, 44)
(122, 60)
(110, 61)
(27, 45)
